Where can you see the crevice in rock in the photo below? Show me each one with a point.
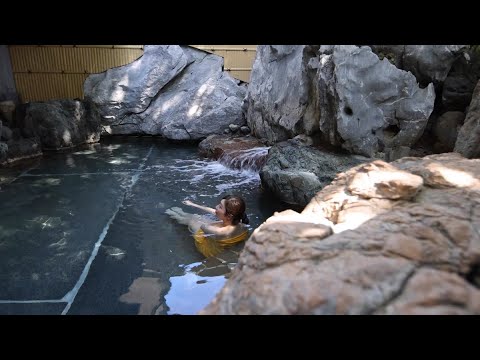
(391, 131)
(125, 123)
(395, 295)
(473, 276)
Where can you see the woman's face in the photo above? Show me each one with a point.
(220, 211)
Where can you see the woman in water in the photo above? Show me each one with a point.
(212, 237)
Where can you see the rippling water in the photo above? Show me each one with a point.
(84, 232)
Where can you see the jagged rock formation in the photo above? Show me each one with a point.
(295, 172)
(175, 91)
(399, 238)
(468, 140)
(343, 93)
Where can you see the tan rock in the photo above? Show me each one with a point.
(431, 291)
(409, 252)
(379, 179)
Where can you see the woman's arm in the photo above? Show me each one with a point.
(212, 229)
(204, 208)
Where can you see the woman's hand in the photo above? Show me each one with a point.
(204, 208)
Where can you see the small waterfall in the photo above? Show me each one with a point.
(251, 159)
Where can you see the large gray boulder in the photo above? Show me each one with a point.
(61, 123)
(5, 132)
(21, 148)
(295, 173)
(343, 93)
(195, 99)
(129, 89)
(461, 80)
(429, 63)
(279, 104)
(468, 140)
(373, 105)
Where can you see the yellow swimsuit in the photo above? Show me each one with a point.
(211, 247)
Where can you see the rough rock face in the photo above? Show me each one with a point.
(279, 102)
(295, 173)
(445, 130)
(13, 146)
(375, 105)
(129, 89)
(178, 92)
(7, 109)
(429, 63)
(468, 140)
(461, 80)
(20, 148)
(343, 93)
(61, 123)
(369, 252)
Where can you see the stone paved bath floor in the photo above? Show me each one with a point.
(84, 231)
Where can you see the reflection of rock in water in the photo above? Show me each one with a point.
(144, 291)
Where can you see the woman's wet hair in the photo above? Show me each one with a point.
(235, 207)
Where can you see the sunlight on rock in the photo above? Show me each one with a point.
(193, 110)
(382, 180)
(289, 216)
(77, 113)
(174, 101)
(119, 93)
(206, 89)
(324, 59)
(352, 221)
(313, 232)
(453, 177)
(107, 128)
(67, 137)
(202, 90)
(136, 64)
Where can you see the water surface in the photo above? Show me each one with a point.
(84, 231)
